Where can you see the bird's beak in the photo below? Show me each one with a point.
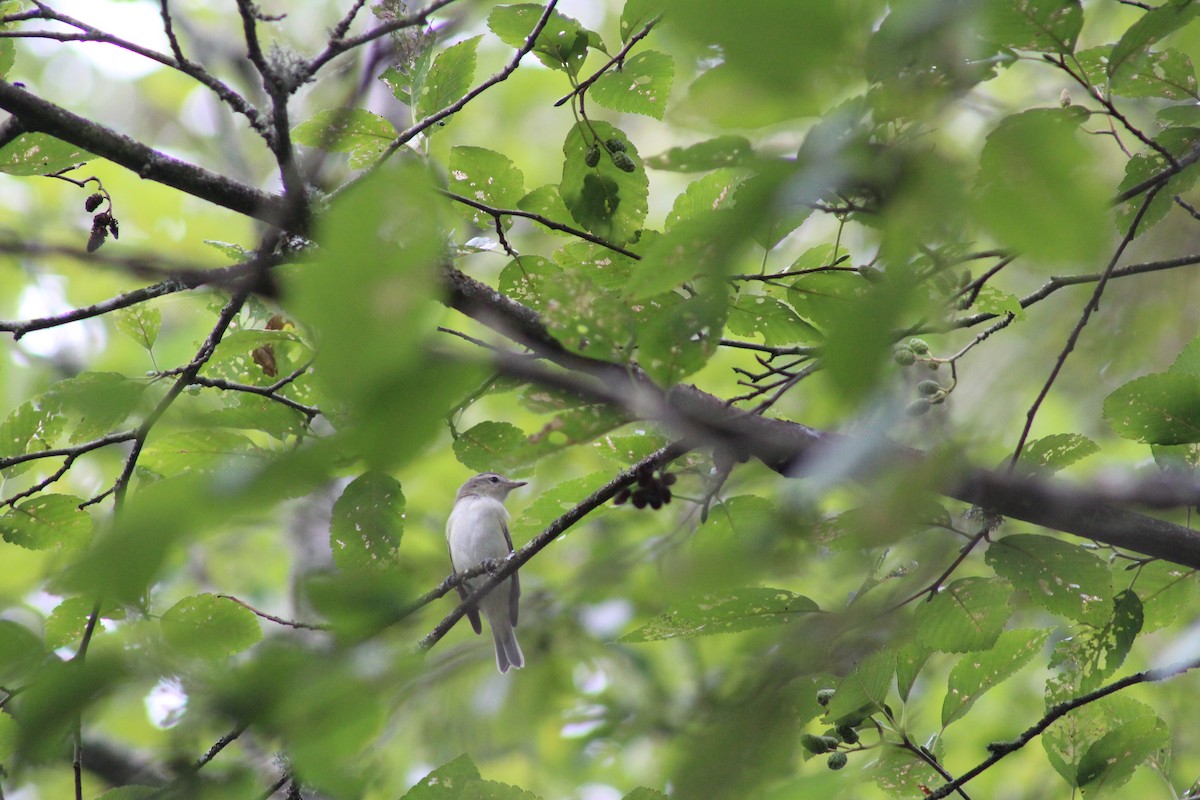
(518, 484)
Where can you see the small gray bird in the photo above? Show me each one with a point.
(476, 531)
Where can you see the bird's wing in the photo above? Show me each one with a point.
(514, 594)
(472, 611)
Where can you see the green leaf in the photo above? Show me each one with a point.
(901, 773)
(1063, 578)
(9, 732)
(777, 323)
(821, 298)
(1048, 25)
(1166, 591)
(552, 503)
(47, 522)
(629, 448)
(367, 523)
(966, 615)
(1153, 26)
(682, 336)
(637, 14)
(723, 151)
(740, 517)
(547, 201)
(493, 790)
(991, 300)
(449, 79)
(562, 44)
(69, 619)
(20, 653)
(1094, 653)
(1188, 360)
(96, 401)
(748, 609)
(1158, 409)
(1069, 738)
(1109, 763)
(603, 199)
(645, 793)
(492, 446)
(639, 86)
(488, 177)
(713, 192)
(447, 782)
(252, 412)
(209, 627)
(140, 323)
(365, 136)
(1052, 453)
(39, 154)
(975, 673)
(910, 658)
(26, 429)
(1168, 74)
(1039, 186)
(864, 690)
(205, 451)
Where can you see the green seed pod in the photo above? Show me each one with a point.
(918, 346)
(824, 696)
(623, 161)
(929, 388)
(904, 356)
(814, 744)
(592, 157)
(917, 407)
(836, 760)
(847, 734)
(614, 145)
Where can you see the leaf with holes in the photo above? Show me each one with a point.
(47, 522)
(1063, 578)
(367, 523)
(209, 627)
(487, 177)
(975, 673)
(365, 136)
(639, 86)
(1157, 409)
(965, 615)
(449, 78)
(743, 610)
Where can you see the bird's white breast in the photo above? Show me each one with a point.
(475, 531)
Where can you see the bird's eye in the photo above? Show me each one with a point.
(494, 479)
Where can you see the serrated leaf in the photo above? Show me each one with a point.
(863, 691)
(1109, 763)
(1153, 26)
(367, 523)
(1157, 409)
(603, 199)
(449, 78)
(748, 609)
(209, 627)
(200, 451)
(713, 192)
(1168, 74)
(991, 300)
(1049, 25)
(1149, 164)
(66, 623)
(97, 402)
(639, 86)
(492, 446)
(774, 320)
(1061, 577)
(723, 151)
(494, 790)
(636, 14)
(39, 154)
(967, 614)
(1052, 453)
(562, 44)
(1068, 739)
(975, 673)
(253, 412)
(140, 323)
(20, 653)
(821, 298)
(901, 773)
(740, 517)
(488, 177)
(547, 202)
(682, 336)
(629, 448)
(47, 522)
(1166, 590)
(1039, 186)
(552, 503)
(1188, 360)
(447, 782)
(910, 658)
(365, 136)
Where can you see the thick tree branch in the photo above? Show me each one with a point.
(790, 448)
(42, 116)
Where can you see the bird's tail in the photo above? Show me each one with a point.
(508, 652)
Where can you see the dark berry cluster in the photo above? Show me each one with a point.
(615, 148)
(651, 490)
(103, 223)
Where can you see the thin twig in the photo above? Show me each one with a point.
(618, 58)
